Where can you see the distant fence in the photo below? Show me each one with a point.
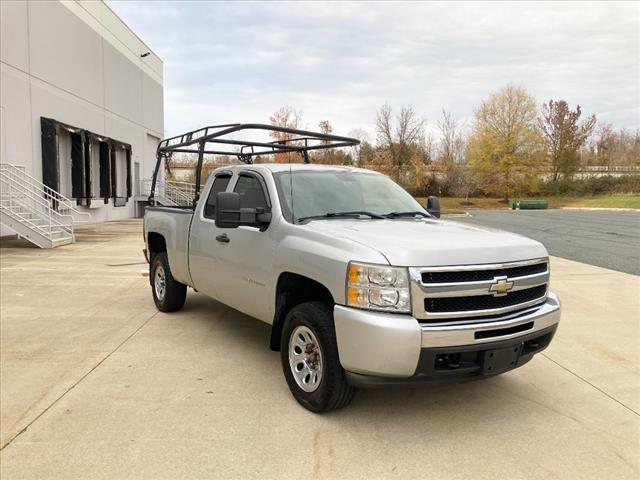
(614, 169)
(439, 171)
(611, 168)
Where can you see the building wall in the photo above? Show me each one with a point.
(78, 63)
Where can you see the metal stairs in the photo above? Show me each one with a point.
(169, 194)
(36, 212)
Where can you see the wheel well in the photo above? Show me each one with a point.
(156, 244)
(292, 290)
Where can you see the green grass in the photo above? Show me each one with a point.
(458, 205)
(600, 201)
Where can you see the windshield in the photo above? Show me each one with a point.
(321, 193)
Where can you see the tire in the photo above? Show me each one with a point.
(170, 296)
(309, 329)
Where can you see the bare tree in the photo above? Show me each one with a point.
(564, 135)
(452, 150)
(430, 148)
(285, 117)
(399, 136)
(357, 150)
(453, 142)
(332, 156)
(326, 128)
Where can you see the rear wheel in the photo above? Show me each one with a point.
(310, 362)
(168, 294)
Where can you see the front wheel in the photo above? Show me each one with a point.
(310, 362)
(168, 294)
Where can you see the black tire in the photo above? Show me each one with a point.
(333, 391)
(175, 293)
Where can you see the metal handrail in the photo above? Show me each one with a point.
(52, 224)
(60, 201)
(32, 196)
(181, 193)
(14, 194)
(186, 187)
(183, 185)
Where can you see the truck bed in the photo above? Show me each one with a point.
(174, 224)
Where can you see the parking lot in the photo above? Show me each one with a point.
(605, 238)
(95, 383)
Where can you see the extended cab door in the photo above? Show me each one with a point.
(245, 265)
(203, 247)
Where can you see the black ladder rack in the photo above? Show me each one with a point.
(216, 140)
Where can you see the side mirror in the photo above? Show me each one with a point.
(230, 215)
(433, 206)
(228, 210)
(259, 217)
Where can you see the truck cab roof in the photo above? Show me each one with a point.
(285, 167)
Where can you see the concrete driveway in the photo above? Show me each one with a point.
(95, 383)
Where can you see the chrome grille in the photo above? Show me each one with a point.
(479, 275)
(469, 291)
(483, 302)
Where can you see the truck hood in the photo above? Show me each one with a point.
(426, 242)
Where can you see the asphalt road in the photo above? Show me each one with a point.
(602, 238)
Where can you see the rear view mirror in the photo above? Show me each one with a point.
(433, 206)
(228, 210)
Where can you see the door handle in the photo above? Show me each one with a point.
(222, 238)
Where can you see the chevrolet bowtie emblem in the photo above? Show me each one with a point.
(500, 286)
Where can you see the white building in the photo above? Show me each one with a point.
(81, 102)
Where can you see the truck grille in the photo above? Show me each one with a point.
(483, 302)
(477, 292)
(479, 275)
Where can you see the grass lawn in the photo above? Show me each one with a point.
(458, 205)
(600, 201)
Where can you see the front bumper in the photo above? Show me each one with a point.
(383, 348)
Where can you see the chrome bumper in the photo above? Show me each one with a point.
(389, 345)
(450, 335)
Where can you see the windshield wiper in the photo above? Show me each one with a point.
(406, 214)
(341, 214)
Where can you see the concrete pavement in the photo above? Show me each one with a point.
(95, 383)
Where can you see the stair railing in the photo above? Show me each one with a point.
(22, 204)
(180, 193)
(56, 200)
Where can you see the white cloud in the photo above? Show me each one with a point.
(227, 62)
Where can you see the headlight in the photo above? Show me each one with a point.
(378, 287)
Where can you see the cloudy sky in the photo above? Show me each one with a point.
(239, 62)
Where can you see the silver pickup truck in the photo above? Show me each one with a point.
(362, 285)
